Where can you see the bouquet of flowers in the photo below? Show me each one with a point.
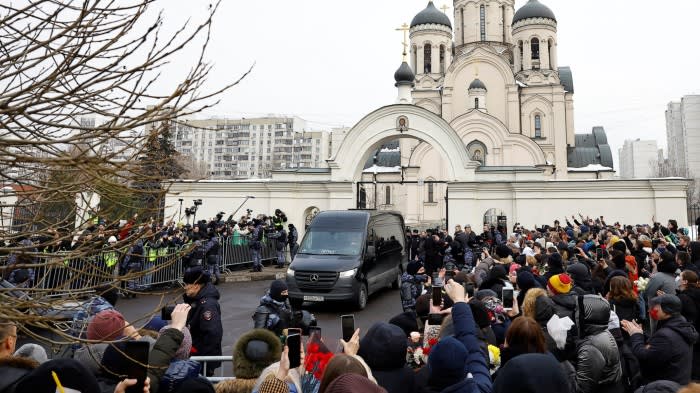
(494, 358)
(315, 362)
(418, 357)
(641, 284)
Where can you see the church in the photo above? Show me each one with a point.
(482, 131)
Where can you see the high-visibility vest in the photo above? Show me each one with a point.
(111, 258)
(152, 254)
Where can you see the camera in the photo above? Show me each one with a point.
(197, 202)
(249, 211)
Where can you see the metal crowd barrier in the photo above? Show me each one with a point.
(206, 359)
(235, 250)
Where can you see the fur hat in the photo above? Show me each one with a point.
(196, 275)
(107, 325)
(254, 351)
(560, 283)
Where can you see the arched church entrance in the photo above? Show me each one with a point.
(375, 156)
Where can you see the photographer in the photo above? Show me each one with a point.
(280, 235)
(255, 244)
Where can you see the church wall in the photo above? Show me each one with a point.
(496, 92)
(540, 202)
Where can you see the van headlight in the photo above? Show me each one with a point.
(348, 273)
(290, 271)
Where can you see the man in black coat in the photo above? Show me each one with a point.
(668, 353)
(204, 319)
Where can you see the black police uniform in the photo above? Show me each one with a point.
(204, 321)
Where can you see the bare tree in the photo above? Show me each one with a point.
(76, 93)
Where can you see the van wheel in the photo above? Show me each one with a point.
(396, 284)
(361, 301)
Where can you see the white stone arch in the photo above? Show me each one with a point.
(479, 56)
(379, 127)
(477, 125)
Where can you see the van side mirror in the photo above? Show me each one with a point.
(371, 253)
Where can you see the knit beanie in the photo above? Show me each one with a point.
(544, 309)
(276, 289)
(107, 325)
(183, 353)
(560, 284)
(502, 251)
(555, 261)
(413, 267)
(447, 361)
(32, 351)
(620, 246)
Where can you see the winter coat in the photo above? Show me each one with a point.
(690, 299)
(626, 309)
(178, 372)
(12, 370)
(281, 237)
(479, 378)
(598, 366)
(481, 272)
(531, 373)
(162, 354)
(211, 250)
(272, 315)
(668, 353)
(663, 281)
(411, 289)
(204, 321)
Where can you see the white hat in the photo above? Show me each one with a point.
(112, 239)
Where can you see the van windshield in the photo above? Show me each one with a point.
(330, 242)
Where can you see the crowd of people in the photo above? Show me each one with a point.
(595, 308)
(131, 247)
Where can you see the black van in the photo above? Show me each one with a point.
(348, 255)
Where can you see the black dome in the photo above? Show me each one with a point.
(477, 84)
(404, 74)
(533, 9)
(431, 15)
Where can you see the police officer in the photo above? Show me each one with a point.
(281, 236)
(255, 244)
(274, 312)
(204, 319)
(292, 239)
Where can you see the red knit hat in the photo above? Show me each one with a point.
(560, 284)
(107, 325)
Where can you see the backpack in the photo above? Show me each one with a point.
(631, 373)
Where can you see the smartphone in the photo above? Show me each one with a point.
(347, 324)
(507, 298)
(291, 331)
(469, 288)
(294, 345)
(599, 254)
(166, 313)
(137, 364)
(437, 296)
(315, 330)
(449, 275)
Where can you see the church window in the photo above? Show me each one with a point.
(431, 193)
(387, 195)
(538, 126)
(442, 59)
(427, 57)
(520, 59)
(482, 21)
(414, 58)
(535, 47)
(476, 103)
(461, 12)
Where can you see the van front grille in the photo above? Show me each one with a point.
(315, 280)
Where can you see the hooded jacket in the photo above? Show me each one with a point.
(582, 278)
(384, 350)
(531, 373)
(272, 315)
(668, 353)
(598, 366)
(204, 321)
(12, 370)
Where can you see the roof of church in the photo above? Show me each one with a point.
(431, 15)
(591, 149)
(533, 9)
(477, 84)
(567, 79)
(404, 74)
(388, 155)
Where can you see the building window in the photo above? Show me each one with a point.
(431, 193)
(535, 47)
(538, 126)
(482, 20)
(427, 57)
(442, 59)
(387, 195)
(476, 103)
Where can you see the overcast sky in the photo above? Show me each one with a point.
(332, 62)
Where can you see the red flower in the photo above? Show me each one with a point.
(432, 341)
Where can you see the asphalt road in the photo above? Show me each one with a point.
(239, 300)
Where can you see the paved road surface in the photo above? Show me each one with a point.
(239, 300)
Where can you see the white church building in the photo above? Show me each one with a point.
(483, 127)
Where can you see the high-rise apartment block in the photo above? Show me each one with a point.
(250, 148)
(639, 159)
(683, 136)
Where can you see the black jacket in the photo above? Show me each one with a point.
(204, 321)
(272, 315)
(626, 309)
(12, 370)
(668, 353)
(162, 354)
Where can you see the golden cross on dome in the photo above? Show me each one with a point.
(444, 8)
(405, 28)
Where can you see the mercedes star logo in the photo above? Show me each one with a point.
(313, 278)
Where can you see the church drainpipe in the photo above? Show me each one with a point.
(447, 207)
